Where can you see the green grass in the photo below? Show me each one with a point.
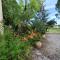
(54, 30)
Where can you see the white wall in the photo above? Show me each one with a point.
(1, 18)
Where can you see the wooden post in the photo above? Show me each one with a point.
(1, 18)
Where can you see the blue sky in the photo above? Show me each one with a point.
(50, 6)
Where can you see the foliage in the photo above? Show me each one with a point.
(2, 48)
(39, 26)
(54, 30)
(40, 21)
(51, 23)
(58, 9)
(28, 9)
(18, 14)
(59, 26)
(12, 48)
(10, 11)
(45, 14)
(58, 6)
(17, 17)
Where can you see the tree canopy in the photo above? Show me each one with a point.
(58, 6)
(14, 11)
(58, 9)
(51, 23)
(19, 13)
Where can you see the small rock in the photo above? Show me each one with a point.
(39, 44)
(44, 36)
(38, 53)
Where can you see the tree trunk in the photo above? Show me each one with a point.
(1, 19)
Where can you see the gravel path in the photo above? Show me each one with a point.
(50, 49)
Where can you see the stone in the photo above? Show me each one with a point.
(44, 36)
(38, 44)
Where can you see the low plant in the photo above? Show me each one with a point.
(12, 48)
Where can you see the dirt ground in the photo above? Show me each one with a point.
(50, 49)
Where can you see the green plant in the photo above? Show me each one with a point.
(3, 50)
(39, 26)
(12, 48)
(18, 14)
(51, 23)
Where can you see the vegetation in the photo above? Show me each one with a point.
(54, 30)
(58, 9)
(14, 13)
(51, 23)
(12, 48)
(16, 47)
(23, 27)
(20, 34)
(58, 5)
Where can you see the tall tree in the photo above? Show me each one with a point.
(51, 23)
(10, 11)
(44, 14)
(58, 9)
(28, 9)
(19, 13)
(58, 6)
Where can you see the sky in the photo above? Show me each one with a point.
(50, 6)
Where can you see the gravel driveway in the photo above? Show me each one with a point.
(50, 49)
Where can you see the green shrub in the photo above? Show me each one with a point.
(39, 26)
(12, 48)
(3, 50)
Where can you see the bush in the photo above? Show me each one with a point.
(3, 50)
(12, 48)
(39, 26)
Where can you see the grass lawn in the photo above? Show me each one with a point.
(54, 30)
